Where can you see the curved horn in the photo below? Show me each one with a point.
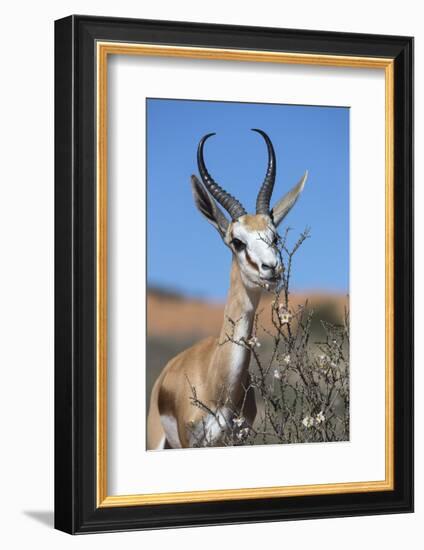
(231, 204)
(265, 192)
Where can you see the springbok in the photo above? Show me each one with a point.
(217, 369)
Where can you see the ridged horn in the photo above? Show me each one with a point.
(264, 196)
(230, 203)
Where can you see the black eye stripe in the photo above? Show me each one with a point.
(238, 244)
(251, 262)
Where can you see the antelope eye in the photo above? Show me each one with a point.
(275, 239)
(238, 245)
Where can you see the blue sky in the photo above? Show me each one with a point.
(184, 252)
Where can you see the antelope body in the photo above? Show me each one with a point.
(215, 371)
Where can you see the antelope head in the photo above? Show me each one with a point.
(252, 238)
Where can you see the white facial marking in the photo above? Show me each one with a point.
(258, 258)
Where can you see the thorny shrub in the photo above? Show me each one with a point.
(301, 384)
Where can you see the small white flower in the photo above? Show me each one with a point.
(243, 433)
(277, 374)
(333, 365)
(322, 361)
(320, 418)
(254, 342)
(308, 421)
(287, 359)
(284, 315)
(239, 421)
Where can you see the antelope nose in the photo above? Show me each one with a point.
(267, 267)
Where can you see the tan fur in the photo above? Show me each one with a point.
(155, 433)
(215, 370)
(257, 222)
(208, 366)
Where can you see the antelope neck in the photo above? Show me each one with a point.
(240, 308)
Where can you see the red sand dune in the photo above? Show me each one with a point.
(174, 315)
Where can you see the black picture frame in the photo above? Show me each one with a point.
(76, 510)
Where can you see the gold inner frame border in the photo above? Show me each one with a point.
(103, 50)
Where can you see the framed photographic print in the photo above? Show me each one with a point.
(234, 274)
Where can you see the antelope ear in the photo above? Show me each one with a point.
(208, 207)
(284, 205)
